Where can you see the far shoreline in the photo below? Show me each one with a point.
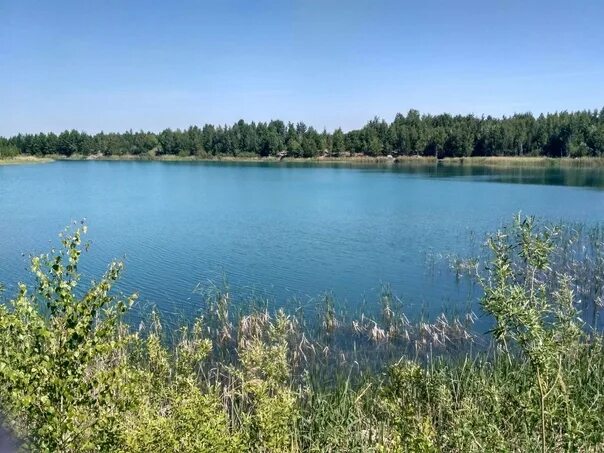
(488, 161)
(23, 160)
(496, 161)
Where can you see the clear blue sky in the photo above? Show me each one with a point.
(116, 65)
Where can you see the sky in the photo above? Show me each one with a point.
(115, 65)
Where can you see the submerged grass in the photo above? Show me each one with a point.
(75, 377)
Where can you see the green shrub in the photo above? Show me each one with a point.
(59, 365)
(75, 377)
(531, 393)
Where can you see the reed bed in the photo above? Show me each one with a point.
(74, 376)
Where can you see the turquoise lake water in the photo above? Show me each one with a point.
(280, 232)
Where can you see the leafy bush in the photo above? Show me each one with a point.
(59, 363)
(531, 392)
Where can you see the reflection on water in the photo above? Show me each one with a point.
(546, 175)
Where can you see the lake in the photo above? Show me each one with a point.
(285, 233)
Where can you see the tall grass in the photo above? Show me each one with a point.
(526, 161)
(74, 376)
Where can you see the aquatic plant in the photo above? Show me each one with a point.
(74, 376)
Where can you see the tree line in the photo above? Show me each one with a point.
(560, 134)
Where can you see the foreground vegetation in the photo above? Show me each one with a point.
(564, 134)
(74, 376)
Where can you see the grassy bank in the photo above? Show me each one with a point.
(527, 161)
(364, 160)
(74, 376)
(25, 160)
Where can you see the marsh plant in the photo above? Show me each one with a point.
(540, 321)
(74, 376)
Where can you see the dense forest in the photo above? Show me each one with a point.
(564, 134)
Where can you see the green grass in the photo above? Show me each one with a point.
(74, 376)
(527, 161)
(19, 160)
